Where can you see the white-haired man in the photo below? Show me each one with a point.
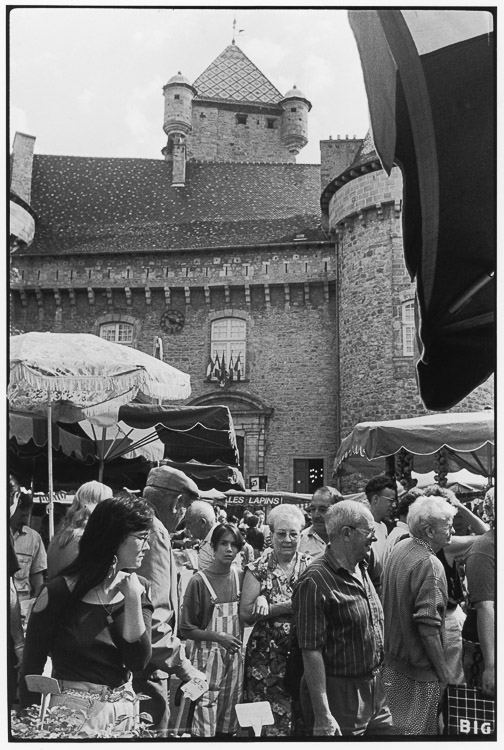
(415, 596)
(339, 625)
(169, 491)
(200, 521)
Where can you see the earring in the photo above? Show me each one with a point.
(113, 568)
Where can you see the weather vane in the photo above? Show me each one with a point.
(240, 31)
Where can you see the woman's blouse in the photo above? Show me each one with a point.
(275, 585)
(83, 645)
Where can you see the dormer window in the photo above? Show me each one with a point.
(241, 119)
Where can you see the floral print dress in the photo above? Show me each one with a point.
(269, 645)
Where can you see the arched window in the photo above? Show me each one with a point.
(228, 347)
(121, 333)
(408, 328)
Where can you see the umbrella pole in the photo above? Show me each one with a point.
(102, 456)
(50, 469)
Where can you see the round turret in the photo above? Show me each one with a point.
(295, 120)
(178, 95)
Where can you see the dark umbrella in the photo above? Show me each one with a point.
(430, 81)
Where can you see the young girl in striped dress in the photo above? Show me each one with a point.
(211, 625)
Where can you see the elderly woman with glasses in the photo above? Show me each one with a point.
(266, 604)
(94, 621)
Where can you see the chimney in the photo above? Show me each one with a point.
(21, 165)
(178, 160)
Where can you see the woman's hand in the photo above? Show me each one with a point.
(230, 642)
(261, 607)
(130, 587)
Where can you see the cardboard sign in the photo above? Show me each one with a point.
(255, 715)
(194, 688)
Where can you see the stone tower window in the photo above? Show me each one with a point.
(271, 123)
(241, 119)
(120, 333)
(293, 109)
(408, 328)
(228, 347)
(176, 96)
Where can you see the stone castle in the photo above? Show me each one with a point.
(280, 287)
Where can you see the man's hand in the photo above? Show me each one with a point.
(326, 726)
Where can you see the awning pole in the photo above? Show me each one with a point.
(50, 468)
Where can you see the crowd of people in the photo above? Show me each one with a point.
(349, 617)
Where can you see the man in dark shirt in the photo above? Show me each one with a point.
(339, 624)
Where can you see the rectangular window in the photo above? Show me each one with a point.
(228, 341)
(408, 328)
(241, 119)
(121, 333)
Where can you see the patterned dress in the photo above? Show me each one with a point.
(269, 645)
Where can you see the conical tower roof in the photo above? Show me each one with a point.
(366, 152)
(232, 76)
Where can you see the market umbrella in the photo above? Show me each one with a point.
(217, 476)
(187, 433)
(66, 375)
(463, 440)
(430, 81)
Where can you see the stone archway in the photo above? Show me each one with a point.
(250, 418)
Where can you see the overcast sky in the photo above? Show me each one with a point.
(88, 82)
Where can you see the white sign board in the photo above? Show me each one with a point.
(255, 715)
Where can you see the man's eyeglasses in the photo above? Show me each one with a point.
(320, 509)
(144, 538)
(294, 535)
(365, 532)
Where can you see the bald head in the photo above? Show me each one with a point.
(199, 519)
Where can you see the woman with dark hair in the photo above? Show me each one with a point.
(211, 624)
(94, 621)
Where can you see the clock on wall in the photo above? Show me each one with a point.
(172, 321)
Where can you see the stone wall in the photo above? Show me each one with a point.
(217, 136)
(377, 382)
(335, 156)
(287, 296)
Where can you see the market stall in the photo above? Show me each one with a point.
(442, 443)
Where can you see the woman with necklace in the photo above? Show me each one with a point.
(267, 605)
(94, 621)
(211, 624)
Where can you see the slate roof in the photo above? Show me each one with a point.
(232, 76)
(85, 204)
(366, 152)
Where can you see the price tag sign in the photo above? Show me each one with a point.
(255, 715)
(194, 688)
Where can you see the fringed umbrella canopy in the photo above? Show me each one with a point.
(86, 371)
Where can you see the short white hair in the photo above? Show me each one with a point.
(286, 512)
(346, 513)
(428, 511)
(201, 509)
